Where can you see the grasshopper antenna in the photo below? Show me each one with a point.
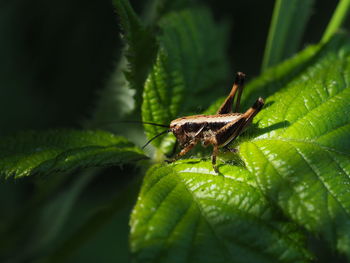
(155, 137)
(137, 122)
(146, 122)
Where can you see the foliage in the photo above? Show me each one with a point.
(43, 153)
(141, 45)
(303, 163)
(190, 64)
(186, 209)
(283, 193)
(298, 153)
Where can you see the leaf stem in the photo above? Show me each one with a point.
(288, 23)
(337, 19)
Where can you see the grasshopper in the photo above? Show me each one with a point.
(217, 130)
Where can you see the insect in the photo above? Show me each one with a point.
(217, 130)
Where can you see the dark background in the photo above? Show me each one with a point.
(55, 56)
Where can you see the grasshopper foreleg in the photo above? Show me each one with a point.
(213, 157)
(185, 150)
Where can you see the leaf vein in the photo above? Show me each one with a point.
(159, 205)
(310, 112)
(223, 245)
(314, 170)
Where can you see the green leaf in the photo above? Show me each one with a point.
(29, 153)
(301, 153)
(141, 46)
(190, 66)
(121, 96)
(187, 213)
(288, 23)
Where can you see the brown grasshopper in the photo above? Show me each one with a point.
(219, 129)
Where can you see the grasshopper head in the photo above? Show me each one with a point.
(179, 132)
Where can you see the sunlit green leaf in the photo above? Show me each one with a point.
(301, 159)
(29, 153)
(187, 213)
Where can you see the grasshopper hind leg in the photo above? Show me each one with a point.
(238, 85)
(232, 130)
